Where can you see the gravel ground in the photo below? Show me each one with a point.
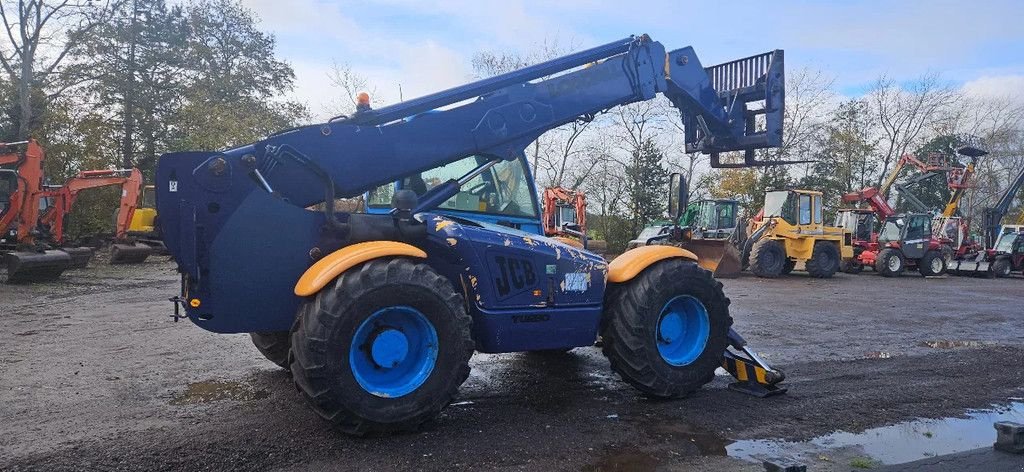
(95, 375)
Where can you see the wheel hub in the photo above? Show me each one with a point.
(682, 331)
(393, 351)
(894, 263)
(671, 327)
(936, 265)
(389, 348)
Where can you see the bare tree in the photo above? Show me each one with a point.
(905, 112)
(351, 83)
(41, 35)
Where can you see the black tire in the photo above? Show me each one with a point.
(274, 345)
(885, 266)
(328, 322)
(630, 323)
(932, 264)
(851, 266)
(824, 261)
(767, 258)
(788, 267)
(1001, 267)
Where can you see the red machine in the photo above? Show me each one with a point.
(565, 215)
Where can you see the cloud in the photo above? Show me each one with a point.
(1011, 86)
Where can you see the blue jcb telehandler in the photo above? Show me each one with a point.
(376, 313)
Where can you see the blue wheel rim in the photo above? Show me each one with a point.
(393, 351)
(683, 330)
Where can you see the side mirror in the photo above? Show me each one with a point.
(678, 196)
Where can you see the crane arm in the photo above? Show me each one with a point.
(994, 215)
(501, 115)
(875, 200)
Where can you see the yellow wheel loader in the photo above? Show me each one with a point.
(790, 231)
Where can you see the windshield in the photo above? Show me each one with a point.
(779, 203)
(891, 230)
(1005, 243)
(503, 189)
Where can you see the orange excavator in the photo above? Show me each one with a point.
(63, 197)
(565, 215)
(24, 248)
(33, 214)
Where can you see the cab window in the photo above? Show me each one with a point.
(817, 211)
(805, 209)
(503, 189)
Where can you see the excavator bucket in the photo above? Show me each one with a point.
(719, 256)
(31, 266)
(134, 253)
(80, 256)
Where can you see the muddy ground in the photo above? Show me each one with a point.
(95, 375)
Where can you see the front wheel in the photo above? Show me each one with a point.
(665, 331)
(768, 258)
(824, 261)
(382, 349)
(890, 262)
(1001, 267)
(932, 264)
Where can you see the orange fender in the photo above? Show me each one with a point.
(336, 263)
(634, 261)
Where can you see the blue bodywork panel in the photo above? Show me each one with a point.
(244, 224)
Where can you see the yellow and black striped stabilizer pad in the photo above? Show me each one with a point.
(753, 379)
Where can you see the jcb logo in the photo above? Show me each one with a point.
(513, 275)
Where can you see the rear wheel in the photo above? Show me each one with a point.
(273, 345)
(890, 263)
(767, 258)
(933, 263)
(384, 348)
(665, 331)
(824, 261)
(1001, 267)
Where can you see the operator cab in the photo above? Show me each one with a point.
(715, 218)
(1010, 243)
(859, 221)
(8, 184)
(797, 207)
(912, 232)
(502, 194)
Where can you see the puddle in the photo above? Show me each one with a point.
(952, 344)
(621, 459)
(707, 443)
(216, 390)
(894, 444)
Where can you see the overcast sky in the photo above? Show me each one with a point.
(427, 45)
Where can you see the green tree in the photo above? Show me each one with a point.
(645, 185)
(843, 159)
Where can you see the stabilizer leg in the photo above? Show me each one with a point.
(755, 377)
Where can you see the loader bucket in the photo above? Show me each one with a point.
(129, 253)
(719, 256)
(80, 256)
(29, 266)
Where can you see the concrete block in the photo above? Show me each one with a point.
(1009, 437)
(783, 465)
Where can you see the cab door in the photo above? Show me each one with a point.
(919, 230)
